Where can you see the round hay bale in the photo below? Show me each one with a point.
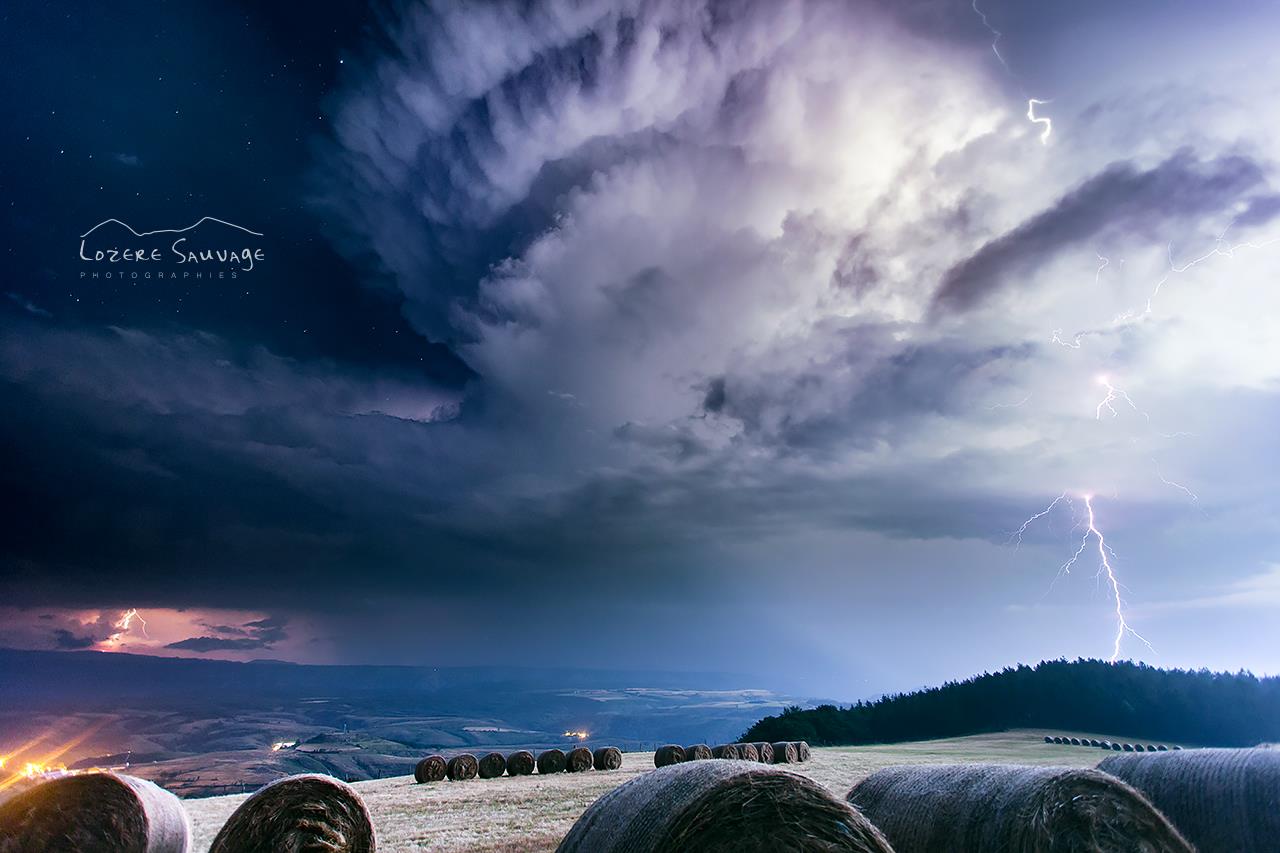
(1115, 747)
(607, 758)
(94, 811)
(551, 761)
(430, 769)
(1128, 747)
(1162, 748)
(462, 767)
(1106, 744)
(1075, 741)
(304, 812)
(803, 752)
(785, 753)
(667, 755)
(724, 750)
(492, 765)
(520, 763)
(1221, 799)
(1178, 748)
(721, 806)
(974, 808)
(1150, 748)
(577, 760)
(1057, 739)
(765, 749)
(697, 752)
(1094, 742)
(747, 752)
(1048, 739)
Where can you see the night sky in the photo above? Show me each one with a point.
(748, 336)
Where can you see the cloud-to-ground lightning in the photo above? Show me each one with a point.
(1032, 103)
(1113, 395)
(1106, 569)
(123, 625)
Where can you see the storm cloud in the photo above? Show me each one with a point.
(750, 301)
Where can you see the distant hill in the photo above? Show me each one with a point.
(1201, 707)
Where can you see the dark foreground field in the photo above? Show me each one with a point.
(533, 813)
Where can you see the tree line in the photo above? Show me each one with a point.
(1196, 707)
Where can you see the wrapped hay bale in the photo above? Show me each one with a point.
(803, 752)
(717, 806)
(94, 811)
(697, 752)
(462, 767)
(785, 752)
(1048, 739)
(1221, 799)
(1106, 744)
(747, 752)
(304, 812)
(1128, 747)
(551, 761)
(1094, 742)
(667, 755)
(492, 765)
(765, 750)
(724, 750)
(1115, 747)
(520, 763)
(577, 760)
(607, 758)
(430, 769)
(1075, 741)
(1162, 748)
(1057, 739)
(975, 808)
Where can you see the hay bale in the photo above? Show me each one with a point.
(1115, 747)
(724, 750)
(492, 765)
(462, 767)
(1075, 741)
(803, 752)
(551, 761)
(785, 753)
(667, 755)
(94, 811)
(1128, 747)
(697, 752)
(718, 806)
(430, 769)
(765, 750)
(1048, 739)
(520, 763)
(1094, 742)
(1178, 748)
(1162, 748)
(1057, 739)
(607, 758)
(747, 752)
(1106, 744)
(974, 808)
(1150, 748)
(304, 812)
(577, 760)
(1221, 799)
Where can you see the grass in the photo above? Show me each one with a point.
(532, 813)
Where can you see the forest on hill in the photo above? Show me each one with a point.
(1197, 707)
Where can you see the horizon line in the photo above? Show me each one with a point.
(201, 221)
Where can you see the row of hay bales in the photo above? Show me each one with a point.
(112, 812)
(1108, 745)
(782, 752)
(1213, 801)
(464, 766)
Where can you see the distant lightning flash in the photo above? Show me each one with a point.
(122, 626)
(1114, 394)
(1032, 103)
(1106, 571)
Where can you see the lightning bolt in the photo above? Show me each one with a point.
(1016, 405)
(1032, 103)
(123, 625)
(1114, 395)
(1222, 248)
(996, 35)
(1106, 570)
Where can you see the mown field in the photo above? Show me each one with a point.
(534, 812)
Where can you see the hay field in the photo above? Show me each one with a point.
(534, 812)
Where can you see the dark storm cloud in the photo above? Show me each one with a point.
(1121, 199)
(64, 639)
(258, 634)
